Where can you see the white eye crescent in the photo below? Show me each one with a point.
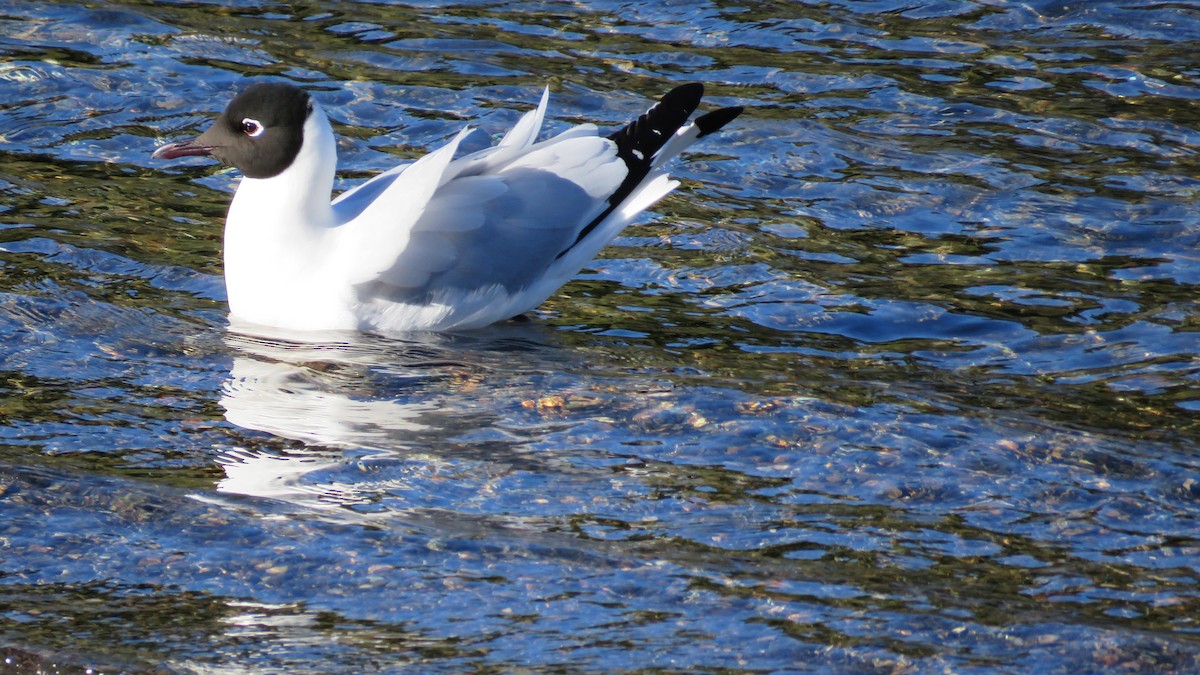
(252, 128)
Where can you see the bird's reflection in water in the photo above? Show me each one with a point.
(347, 399)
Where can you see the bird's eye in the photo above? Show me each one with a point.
(252, 128)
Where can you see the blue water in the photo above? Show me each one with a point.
(904, 378)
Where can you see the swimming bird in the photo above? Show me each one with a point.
(445, 243)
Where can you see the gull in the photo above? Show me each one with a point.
(445, 243)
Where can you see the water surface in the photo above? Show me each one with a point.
(904, 378)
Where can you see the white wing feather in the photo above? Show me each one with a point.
(525, 131)
(372, 241)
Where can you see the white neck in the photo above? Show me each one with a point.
(275, 229)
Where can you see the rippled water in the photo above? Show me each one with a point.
(903, 379)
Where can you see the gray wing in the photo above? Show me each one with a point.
(502, 227)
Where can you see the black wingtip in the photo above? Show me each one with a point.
(711, 122)
(637, 142)
(684, 97)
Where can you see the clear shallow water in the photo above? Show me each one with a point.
(904, 378)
